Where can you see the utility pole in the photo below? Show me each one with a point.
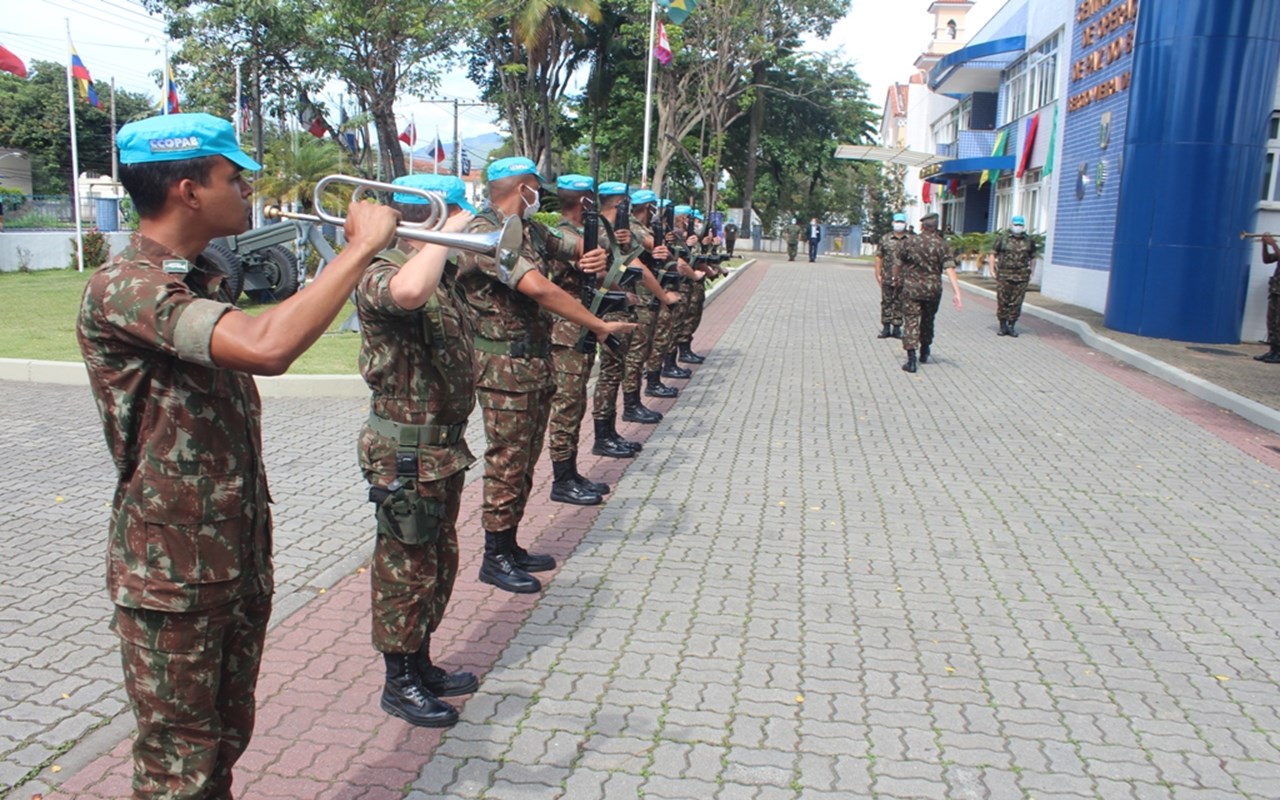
(457, 141)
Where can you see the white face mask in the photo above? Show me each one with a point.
(899, 227)
(533, 206)
(1019, 229)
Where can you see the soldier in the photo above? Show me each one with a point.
(1270, 255)
(707, 244)
(513, 377)
(667, 325)
(887, 271)
(921, 265)
(792, 235)
(730, 237)
(571, 364)
(416, 356)
(189, 567)
(1013, 253)
(655, 258)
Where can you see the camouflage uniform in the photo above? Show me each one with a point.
(513, 373)
(891, 245)
(419, 365)
(604, 404)
(644, 336)
(1273, 309)
(792, 234)
(570, 368)
(189, 549)
(1014, 255)
(921, 265)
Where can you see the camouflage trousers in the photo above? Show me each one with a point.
(570, 369)
(792, 249)
(412, 583)
(917, 321)
(1273, 319)
(890, 303)
(1010, 292)
(664, 332)
(691, 318)
(190, 678)
(642, 341)
(608, 380)
(514, 424)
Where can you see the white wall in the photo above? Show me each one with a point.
(46, 249)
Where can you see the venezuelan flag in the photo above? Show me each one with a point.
(174, 106)
(678, 10)
(81, 74)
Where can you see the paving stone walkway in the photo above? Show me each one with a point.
(1025, 572)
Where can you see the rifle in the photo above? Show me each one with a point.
(590, 241)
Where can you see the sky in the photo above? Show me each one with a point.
(117, 38)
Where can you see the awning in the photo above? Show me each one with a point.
(975, 68)
(887, 155)
(959, 167)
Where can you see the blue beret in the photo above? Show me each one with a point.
(451, 186)
(697, 214)
(682, 211)
(642, 196)
(575, 183)
(1019, 221)
(663, 202)
(899, 217)
(512, 168)
(612, 188)
(176, 137)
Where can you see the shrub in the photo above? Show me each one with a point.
(96, 249)
(12, 199)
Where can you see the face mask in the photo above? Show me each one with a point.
(1018, 230)
(899, 227)
(533, 206)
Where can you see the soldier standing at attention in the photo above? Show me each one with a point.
(921, 265)
(1271, 255)
(730, 237)
(415, 354)
(655, 257)
(887, 275)
(792, 234)
(513, 376)
(571, 365)
(169, 356)
(1013, 253)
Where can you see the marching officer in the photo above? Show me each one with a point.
(1013, 253)
(887, 275)
(921, 265)
(791, 233)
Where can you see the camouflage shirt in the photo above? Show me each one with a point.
(190, 524)
(891, 247)
(566, 275)
(791, 233)
(419, 364)
(923, 260)
(1014, 255)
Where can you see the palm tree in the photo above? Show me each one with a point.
(292, 170)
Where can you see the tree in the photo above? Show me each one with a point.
(33, 117)
(293, 168)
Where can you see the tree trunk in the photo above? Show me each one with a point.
(753, 145)
(384, 122)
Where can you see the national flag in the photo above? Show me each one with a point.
(466, 163)
(81, 75)
(312, 120)
(1028, 144)
(998, 150)
(11, 63)
(662, 50)
(926, 192)
(345, 136)
(246, 114)
(409, 135)
(171, 96)
(437, 152)
(1053, 145)
(678, 10)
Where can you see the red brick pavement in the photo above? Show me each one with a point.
(320, 733)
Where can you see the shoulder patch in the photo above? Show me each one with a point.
(176, 266)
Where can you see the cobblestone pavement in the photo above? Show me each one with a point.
(1025, 572)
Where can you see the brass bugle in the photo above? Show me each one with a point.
(502, 245)
(1248, 235)
(437, 213)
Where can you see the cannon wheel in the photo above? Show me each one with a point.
(280, 268)
(228, 263)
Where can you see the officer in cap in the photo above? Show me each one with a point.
(922, 262)
(1011, 259)
(656, 256)
(887, 275)
(170, 361)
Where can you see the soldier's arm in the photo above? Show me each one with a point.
(559, 302)
(415, 282)
(1270, 253)
(267, 344)
(955, 288)
(879, 267)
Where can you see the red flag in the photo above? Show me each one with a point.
(409, 136)
(662, 50)
(927, 192)
(437, 152)
(11, 63)
(1028, 144)
(174, 106)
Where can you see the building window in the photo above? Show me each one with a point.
(1270, 180)
(1031, 82)
(1004, 203)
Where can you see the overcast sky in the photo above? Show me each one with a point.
(116, 38)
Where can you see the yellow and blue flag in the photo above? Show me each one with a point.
(81, 75)
(678, 10)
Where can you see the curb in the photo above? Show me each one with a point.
(1251, 410)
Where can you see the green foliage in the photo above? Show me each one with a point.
(96, 249)
(292, 171)
(12, 199)
(973, 244)
(35, 220)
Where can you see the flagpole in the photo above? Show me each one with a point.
(648, 95)
(75, 156)
(164, 81)
(239, 114)
(115, 157)
(435, 152)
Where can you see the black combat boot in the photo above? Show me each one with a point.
(1004, 328)
(634, 411)
(688, 356)
(924, 354)
(498, 568)
(897, 331)
(606, 445)
(404, 696)
(910, 366)
(566, 489)
(1272, 356)
(1013, 332)
(595, 487)
(885, 332)
(529, 562)
(670, 369)
(634, 447)
(654, 387)
(438, 682)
